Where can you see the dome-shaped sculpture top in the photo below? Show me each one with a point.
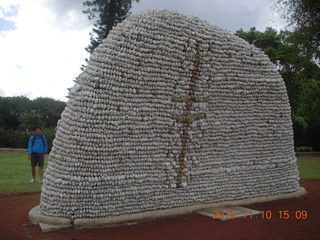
(170, 111)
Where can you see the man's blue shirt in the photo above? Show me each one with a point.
(38, 146)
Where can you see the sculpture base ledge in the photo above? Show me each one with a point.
(57, 223)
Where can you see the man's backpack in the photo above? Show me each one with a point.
(34, 139)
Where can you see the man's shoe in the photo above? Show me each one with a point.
(32, 180)
(41, 181)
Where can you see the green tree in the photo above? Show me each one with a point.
(49, 109)
(301, 76)
(269, 41)
(31, 119)
(105, 14)
(304, 17)
(11, 109)
(294, 68)
(19, 116)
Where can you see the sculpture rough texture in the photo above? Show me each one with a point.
(170, 111)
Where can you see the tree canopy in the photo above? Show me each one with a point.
(304, 17)
(21, 113)
(301, 76)
(105, 14)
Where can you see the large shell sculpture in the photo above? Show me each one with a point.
(170, 111)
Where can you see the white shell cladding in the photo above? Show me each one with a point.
(121, 142)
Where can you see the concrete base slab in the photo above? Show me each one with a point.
(45, 227)
(35, 215)
(228, 213)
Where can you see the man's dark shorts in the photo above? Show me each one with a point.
(37, 159)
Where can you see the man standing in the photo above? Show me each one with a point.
(37, 147)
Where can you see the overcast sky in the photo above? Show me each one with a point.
(42, 41)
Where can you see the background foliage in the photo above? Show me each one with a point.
(105, 14)
(20, 115)
(301, 74)
(303, 16)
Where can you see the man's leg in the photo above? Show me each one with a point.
(33, 168)
(41, 172)
(33, 171)
(40, 164)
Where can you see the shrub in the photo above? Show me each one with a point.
(304, 149)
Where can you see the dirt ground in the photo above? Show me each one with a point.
(14, 222)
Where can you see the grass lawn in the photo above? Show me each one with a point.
(309, 167)
(15, 171)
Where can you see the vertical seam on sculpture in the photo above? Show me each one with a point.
(187, 118)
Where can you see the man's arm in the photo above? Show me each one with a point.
(30, 145)
(45, 145)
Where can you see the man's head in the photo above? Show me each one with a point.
(37, 130)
